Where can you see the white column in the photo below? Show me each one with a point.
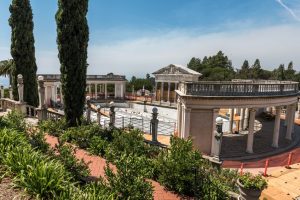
(52, 93)
(242, 118)
(55, 93)
(46, 95)
(162, 91)
(214, 147)
(105, 90)
(293, 116)
(182, 125)
(116, 87)
(90, 90)
(175, 92)
(122, 90)
(179, 107)
(187, 119)
(287, 115)
(276, 127)
(96, 92)
(290, 122)
(231, 120)
(155, 91)
(251, 131)
(61, 94)
(246, 119)
(169, 87)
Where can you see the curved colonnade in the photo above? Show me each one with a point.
(199, 104)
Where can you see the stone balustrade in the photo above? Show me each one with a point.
(239, 88)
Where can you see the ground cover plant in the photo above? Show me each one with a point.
(38, 173)
(180, 168)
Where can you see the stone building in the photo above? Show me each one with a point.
(98, 87)
(167, 79)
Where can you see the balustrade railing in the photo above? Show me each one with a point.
(54, 115)
(227, 88)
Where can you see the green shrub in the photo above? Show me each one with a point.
(98, 146)
(211, 188)
(53, 127)
(131, 142)
(77, 168)
(9, 140)
(38, 141)
(253, 181)
(14, 120)
(177, 167)
(129, 180)
(83, 135)
(36, 173)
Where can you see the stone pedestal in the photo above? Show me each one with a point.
(41, 114)
(21, 107)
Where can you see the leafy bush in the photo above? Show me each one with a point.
(92, 191)
(129, 180)
(53, 127)
(66, 154)
(14, 120)
(83, 135)
(177, 167)
(37, 173)
(98, 146)
(210, 188)
(37, 140)
(252, 181)
(41, 175)
(9, 140)
(131, 142)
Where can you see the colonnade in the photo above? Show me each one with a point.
(247, 121)
(161, 96)
(119, 89)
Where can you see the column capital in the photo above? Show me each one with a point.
(252, 109)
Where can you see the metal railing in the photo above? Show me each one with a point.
(143, 124)
(227, 88)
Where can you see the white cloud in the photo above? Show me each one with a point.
(272, 45)
(290, 10)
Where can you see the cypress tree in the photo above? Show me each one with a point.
(72, 41)
(22, 49)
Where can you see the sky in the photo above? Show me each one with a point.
(135, 37)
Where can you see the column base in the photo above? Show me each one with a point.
(275, 145)
(249, 151)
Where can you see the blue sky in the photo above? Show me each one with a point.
(135, 37)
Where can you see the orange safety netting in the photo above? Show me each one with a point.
(274, 161)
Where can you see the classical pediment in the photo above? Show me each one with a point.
(175, 69)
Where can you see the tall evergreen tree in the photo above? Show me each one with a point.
(244, 72)
(195, 64)
(22, 49)
(290, 72)
(256, 70)
(72, 40)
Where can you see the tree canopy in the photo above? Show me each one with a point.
(219, 68)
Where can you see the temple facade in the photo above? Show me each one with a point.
(168, 78)
(98, 87)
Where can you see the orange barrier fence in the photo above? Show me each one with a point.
(282, 160)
